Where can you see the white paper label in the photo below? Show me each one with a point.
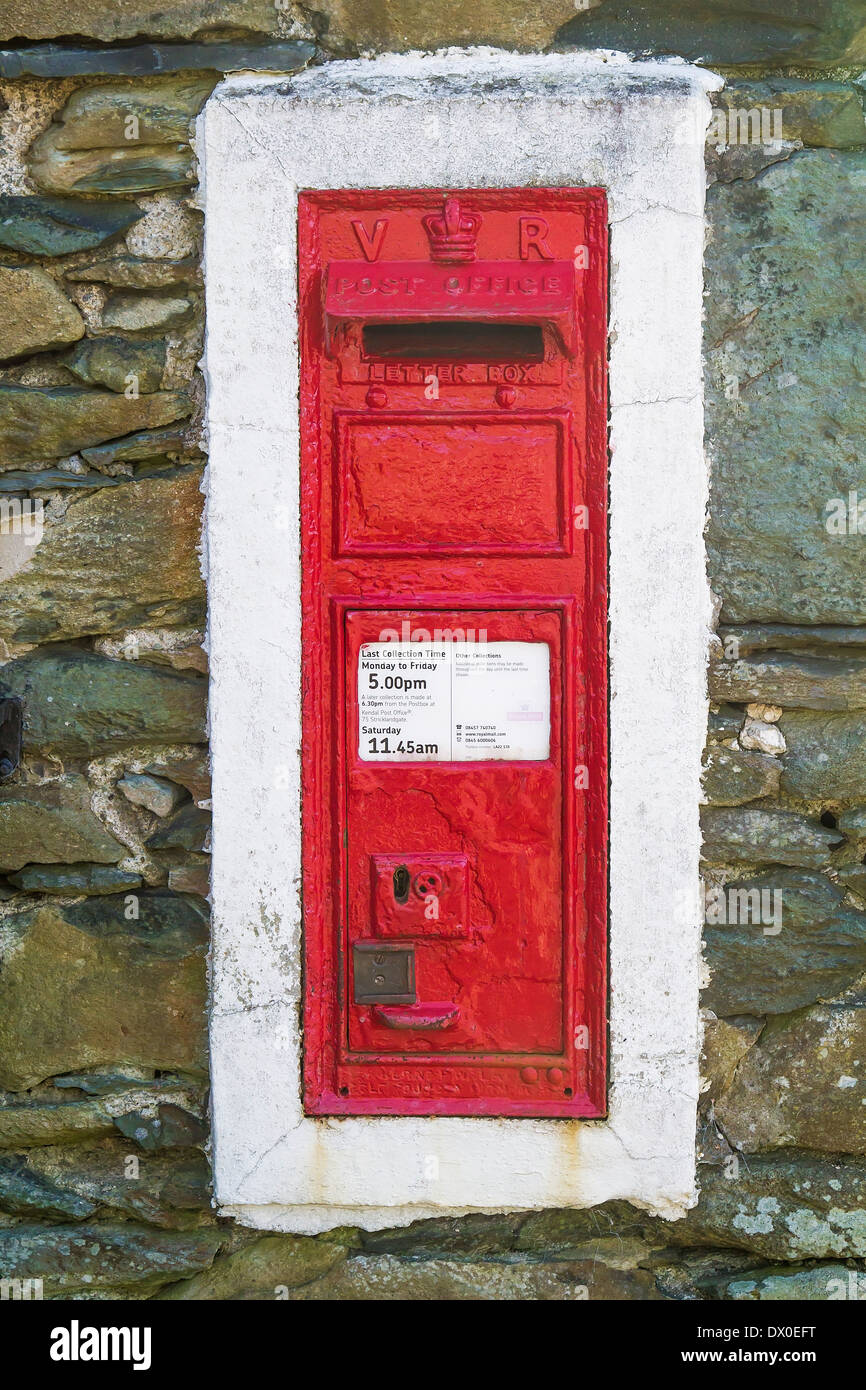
(454, 701)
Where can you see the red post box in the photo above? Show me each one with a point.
(453, 417)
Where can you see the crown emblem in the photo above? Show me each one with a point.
(452, 233)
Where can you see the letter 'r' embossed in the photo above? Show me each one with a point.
(533, 233)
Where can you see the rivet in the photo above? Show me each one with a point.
(555, 1074)
(506, 396)
(377, 397)
(529, 1074)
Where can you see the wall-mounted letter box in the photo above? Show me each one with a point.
(453, 417)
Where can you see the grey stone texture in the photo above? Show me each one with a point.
(789, 939)
(155, 794)
(819, 115)
(189, 829)
(190, 878)
(110, 20)
(119, 364)
(782, 1208)
(811, 640)
(345, 25)
(40, 423)
(139, 313)
(55, 1115)
(802, 1084)
(102, 977)
(137, 273)
(70, 879)
(169, 1192)
(734, 776)
(814, 1284)
(92, 985)
(27, 1125)
(785, 406)
(190, 769)
(58, 226)
(256, 1270)
(136, 447)
(78, 704)
(754, 834)
(163, 1128)
(147, 59)
(48, 480)
(127, 1259)
(805, 33)
(35, 315)
(801, 680)
(826, 756)
(121, 138)
(24, 1192)
(133, 550)
(52, 823)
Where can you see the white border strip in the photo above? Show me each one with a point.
(476, 118)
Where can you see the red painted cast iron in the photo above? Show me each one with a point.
(454, 458)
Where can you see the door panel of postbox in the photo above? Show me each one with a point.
(469, 807)
(454, 669)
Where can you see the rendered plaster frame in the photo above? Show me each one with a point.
(461, 119)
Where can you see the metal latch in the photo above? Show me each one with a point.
(384, 973)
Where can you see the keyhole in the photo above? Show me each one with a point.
(401, 884)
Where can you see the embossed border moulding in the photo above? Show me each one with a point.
(456, 119)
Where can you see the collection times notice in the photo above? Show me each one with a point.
(454, 701)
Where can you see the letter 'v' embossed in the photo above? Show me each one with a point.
(371, 245)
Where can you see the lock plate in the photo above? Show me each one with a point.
(384, 973)
(433, 902)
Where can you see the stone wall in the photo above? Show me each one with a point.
(104, 832)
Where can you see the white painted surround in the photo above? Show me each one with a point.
(462, 119)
